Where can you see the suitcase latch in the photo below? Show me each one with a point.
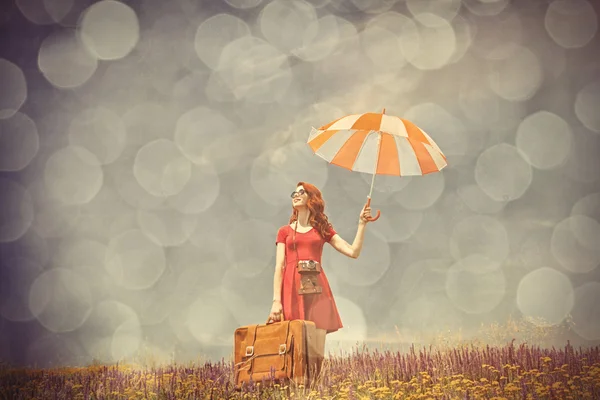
(282, 348)
(249, 351)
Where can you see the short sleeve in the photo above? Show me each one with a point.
(331, 233)
(281, 235)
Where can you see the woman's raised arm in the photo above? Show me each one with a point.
(353, 251)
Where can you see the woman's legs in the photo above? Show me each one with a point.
(320, 348)
(320, 334)
(321, 341)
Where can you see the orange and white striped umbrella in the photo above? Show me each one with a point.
(378, 144)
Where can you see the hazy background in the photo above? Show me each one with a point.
(149, 147)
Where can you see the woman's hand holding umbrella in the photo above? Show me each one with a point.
(365, 214)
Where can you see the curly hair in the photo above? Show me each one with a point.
(316, 206)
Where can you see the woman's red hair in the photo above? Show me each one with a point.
(316, 206)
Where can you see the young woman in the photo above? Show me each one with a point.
(309, 229)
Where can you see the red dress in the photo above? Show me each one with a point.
(319, 308)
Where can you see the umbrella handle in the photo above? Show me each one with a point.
(376, 217)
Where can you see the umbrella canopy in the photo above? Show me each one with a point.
(377, 144)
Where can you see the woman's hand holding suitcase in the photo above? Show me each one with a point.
(276, 311)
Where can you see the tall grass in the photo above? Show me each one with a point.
(448, 369)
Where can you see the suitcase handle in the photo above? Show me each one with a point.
(269, 319)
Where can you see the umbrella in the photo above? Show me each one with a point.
(378, 144)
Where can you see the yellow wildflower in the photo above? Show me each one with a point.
(510, 387)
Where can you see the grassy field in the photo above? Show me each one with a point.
(443, 370)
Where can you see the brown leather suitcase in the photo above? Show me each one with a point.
(287, 347)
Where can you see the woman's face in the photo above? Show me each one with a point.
(299, 197)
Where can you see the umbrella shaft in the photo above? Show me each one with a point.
(376, 162)
(372, 183)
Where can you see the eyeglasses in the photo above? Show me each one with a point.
(298, 193)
